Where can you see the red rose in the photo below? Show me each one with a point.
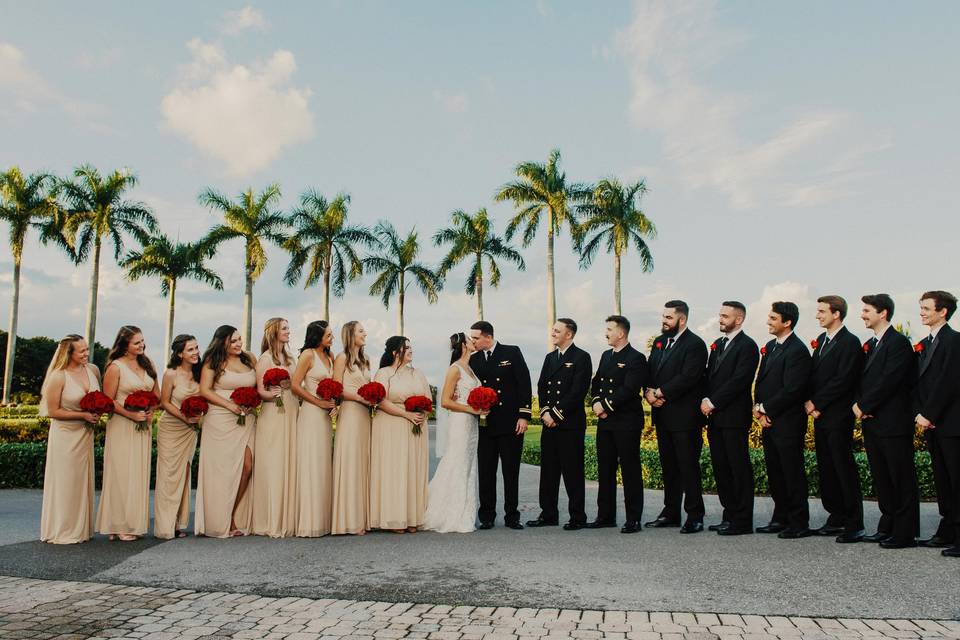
(329, 389)
(194, 407)
(866, 347)
(141, 401)
(814, 344)
(418, 404)
(273, 378)
(763, 350)
(659, 345)
(918, 347)
(246, 398)
(373, 393)
(482, 399)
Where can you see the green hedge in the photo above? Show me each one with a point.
(653, 476)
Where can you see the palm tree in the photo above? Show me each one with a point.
(614, 218)
(97, 213)
(253, 220)
(543, 190)
(473, 238)
(323, 237)
(25, 201)
(171, 261)
(395, 262)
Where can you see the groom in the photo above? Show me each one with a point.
(502, 368)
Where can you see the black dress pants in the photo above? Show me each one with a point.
(895, 481)
(506, 450)
(561, 456)
(619, 449)
(730, 454)
(680, 462)
(783, 454)
(839, 478)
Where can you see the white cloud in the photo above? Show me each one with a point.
(241, 115)
(670, 47)
(235, 22)
(454, 102)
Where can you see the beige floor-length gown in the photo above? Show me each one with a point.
(351, 460)
(275, 468)
(176, 446)
(314, 459)
(125, 496)
(222, 445)
(398, 474)
(67, 513)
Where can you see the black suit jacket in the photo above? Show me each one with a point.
(506, 373)
(564, 383)
(782, 385)
(886, 384)
(835, 373)
(678, 373)
(730, 378)
(618, 387)
(938, 385)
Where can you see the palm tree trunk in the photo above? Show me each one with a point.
(248, 302)
(551, 287)
(480, 295)
(91, 332)
(326, 293)
(616, 283)
(12, 331)
(171, 307)
(400, 307)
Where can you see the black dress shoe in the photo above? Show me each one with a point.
(936, 542)
(486, 525)
(631, 527)
(893, 543)
(662, 521)
(574, 526)
(793, 534)
(850, 536)
(827, 530)
(734, 531)
(719, 525)
(773, 527)
(952, 552)
(600, 524)
(879, 536)
(516, 526)
(691, 527)
(540, 522)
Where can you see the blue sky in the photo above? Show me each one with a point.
(790, 150)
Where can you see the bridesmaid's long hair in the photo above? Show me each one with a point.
(215, 356)
(356, 358)
(313, 338)
(457, 342)
(394, 349)
(271, 342)
(120, 345)
(59, 362)
(176, 355)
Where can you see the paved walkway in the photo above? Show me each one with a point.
(51, 609)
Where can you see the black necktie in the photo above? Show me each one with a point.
(670, 342)
(826, 341)
(722, 344)
(486, 356)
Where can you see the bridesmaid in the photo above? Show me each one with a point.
(226, 448)
(351, 451)
(398, 457)
(124, 509)
(314, 433)
(176, 440)
(67, 514)
(274, 469)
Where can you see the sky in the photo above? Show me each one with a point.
(790, 150)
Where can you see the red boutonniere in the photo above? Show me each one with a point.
(918, 347)
(713, 347)
(763, 350)
(866, 347)
(814, 344)
(659, 345)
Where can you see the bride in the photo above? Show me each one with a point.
(453, 501)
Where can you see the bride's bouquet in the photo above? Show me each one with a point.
(482, 399)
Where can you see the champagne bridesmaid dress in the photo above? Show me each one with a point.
(274, 482)
(222, 445)
(398, 474)
(351, 460)
(67, 513)
(125, 496)
(314, 459)
(176, 446)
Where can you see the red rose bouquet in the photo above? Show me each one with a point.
(374, 393)
(141, 401)
(194, 407)
(246, 398)
(330, 390)
(482, 399)
(273, 378)
(96, 402)
(418, 404)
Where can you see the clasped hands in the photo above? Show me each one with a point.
(765, 421)
(655, 398)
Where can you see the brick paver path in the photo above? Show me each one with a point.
(55, 609)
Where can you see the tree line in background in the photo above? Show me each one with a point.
(88, 212)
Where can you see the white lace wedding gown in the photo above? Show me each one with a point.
(453, 501)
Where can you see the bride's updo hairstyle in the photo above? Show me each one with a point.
(457, 341)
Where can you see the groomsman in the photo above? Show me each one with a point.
(617, 391)
(837, 363)
(780, 392)
(883, 404)
(728, 407)
(938, 412)
(564, 383)
(677, 362)
(502, 368)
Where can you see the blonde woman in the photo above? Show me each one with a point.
(176, 440)
(67, 514)
(351, 451)
(274, 469)
(124, 509)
